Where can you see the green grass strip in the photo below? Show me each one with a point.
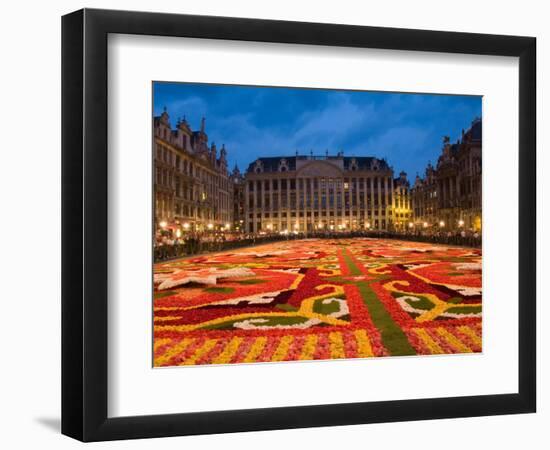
(220, 289)
(353, 268)
(393, 337)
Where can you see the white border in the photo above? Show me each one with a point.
(135, 388)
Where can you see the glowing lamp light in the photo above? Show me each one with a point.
(186, 226)
(178, 233)
(296, 226)
(367, 224)
(411, 224)
(269, 226)
(425, 224)
(442, 224)
(227, 226)
(461, 223)
(163, 224)
(210, 226)
(332, 227)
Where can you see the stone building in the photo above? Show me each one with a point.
(315, 193)
(238, 199)
(449, 196)
(402, 206)
(424, 199)
(192, 187)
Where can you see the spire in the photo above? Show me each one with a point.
(203, 123)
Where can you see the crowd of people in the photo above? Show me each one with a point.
(167, 246)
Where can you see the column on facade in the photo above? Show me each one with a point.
(365, 203)
(312, 199)
(379, 196)
(346, 215)
(340, 190)
(385, 204)
(262, 204)
(271, 209)
(288, 207)
(357, 213)
(297, 208)
(255, 206)
(245, 209)
(279, 206)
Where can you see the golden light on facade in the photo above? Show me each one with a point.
(332, 227)
(178, 233)
(460, 223)
(227, 226)
(210, 226)
(411, 224)
(269, 226)
(367, 224)
(163, 224)
(296, 226)
(425, 224)
(441, 223)
(186, 226)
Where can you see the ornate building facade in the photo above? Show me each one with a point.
(315, 193)
(195, 192)
(193, 189)
(449, 196)
(424, 199)
(402, 205)
(238, 199)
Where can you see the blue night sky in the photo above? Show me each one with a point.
(406, 129)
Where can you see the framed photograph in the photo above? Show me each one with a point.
(273, 225)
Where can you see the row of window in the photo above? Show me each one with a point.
(311, 226)
(283, 214)
(187, 167)
(319, 183)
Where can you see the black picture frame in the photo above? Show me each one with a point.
(84, 224)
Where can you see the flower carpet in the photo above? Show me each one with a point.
(317, 299)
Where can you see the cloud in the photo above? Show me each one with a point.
(190, 107)
(252, 122)
(329, 126)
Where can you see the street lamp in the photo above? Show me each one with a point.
(163, 224)
(178, 233)
(227, 226)
(425, 224)
(367, 225)
(460, 223)
(411, 224)
(210, 226)
(269, 226)
(186, 226)
(441, 223)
